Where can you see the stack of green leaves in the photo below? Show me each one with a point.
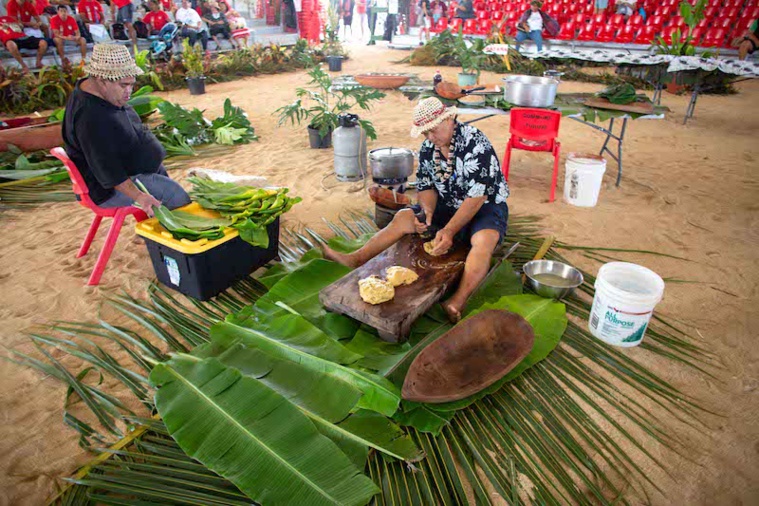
(619, 94)
(250, 209)
(183, 128)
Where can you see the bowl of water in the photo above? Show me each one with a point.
(552, 279)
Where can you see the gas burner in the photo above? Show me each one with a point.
(398, 185)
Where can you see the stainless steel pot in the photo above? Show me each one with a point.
(530, 91)
(390, 164)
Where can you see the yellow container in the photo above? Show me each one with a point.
(154, 231)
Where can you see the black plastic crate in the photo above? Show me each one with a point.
(204, 275)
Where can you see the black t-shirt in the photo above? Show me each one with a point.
(422, 4)
(108, 144)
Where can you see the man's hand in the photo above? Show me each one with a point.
(419, 226)
(146, 203)
(443, 242)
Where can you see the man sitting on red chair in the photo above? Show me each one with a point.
(107, 141)
(462, 192)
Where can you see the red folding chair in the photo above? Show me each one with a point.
(534, 130)
(117, 213)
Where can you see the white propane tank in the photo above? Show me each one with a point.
(349, 141)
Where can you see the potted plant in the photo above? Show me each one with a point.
(471, 58)
(321, 104)
(192, 59)
(332, 49)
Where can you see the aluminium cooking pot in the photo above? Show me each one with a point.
(530, 91)
(391, 165)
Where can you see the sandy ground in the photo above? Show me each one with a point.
(687, 190)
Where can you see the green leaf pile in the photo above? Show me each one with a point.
(250, 210)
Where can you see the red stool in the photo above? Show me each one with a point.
(117, 213)
(534, 130)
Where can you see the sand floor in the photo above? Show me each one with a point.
(687, 190)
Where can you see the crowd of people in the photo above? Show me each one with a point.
(44, 24)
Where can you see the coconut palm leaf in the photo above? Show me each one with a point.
(254, 437)
(557, 434)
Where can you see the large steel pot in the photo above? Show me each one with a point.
(391, 165)
(530, 91)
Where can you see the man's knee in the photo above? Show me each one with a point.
(485, 240)
(11, 46)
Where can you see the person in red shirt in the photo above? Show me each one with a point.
(91, 12)
(65, 30)
(168, 6)
(156, 18)
(13, 38)
(125, 11)
(28, 13)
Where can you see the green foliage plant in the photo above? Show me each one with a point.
(192, 58)
(321, 104)
(692, 14)
(470, 54)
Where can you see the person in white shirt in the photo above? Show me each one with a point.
(192, 25)
(530, 25)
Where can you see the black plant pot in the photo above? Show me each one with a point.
(197, 85)
(335, 63)
(318, 142)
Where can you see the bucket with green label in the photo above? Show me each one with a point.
(626, 295)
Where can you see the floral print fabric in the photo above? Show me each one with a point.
(473, 169)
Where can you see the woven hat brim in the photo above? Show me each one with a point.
(416, 131)
(131, 70)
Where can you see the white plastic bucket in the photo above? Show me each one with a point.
(626, 295)
(582, 179)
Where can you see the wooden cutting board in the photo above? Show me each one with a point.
(635, 107)
(393, 319)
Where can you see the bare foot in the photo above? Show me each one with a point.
(24, 69)
(453, 311)
(340, 258)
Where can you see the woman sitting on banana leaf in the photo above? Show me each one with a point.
(463, 193)
(107, 141)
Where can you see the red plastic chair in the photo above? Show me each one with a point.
(117, 213)
(540, 128)
(441, 25)
(470, 26)
(587, 32)
(567, 31)
(606, 33)
(482, 15)
(645, 35)
(455, 25)
(723, 23)
(484, 26)
(714, 38)
(497, 15)
(656, 22)
(626, 35)
(669, 34)
(617, 20)
(730, 13)
(635, 20)
(599, 19)
(696, 36)
(579, 18)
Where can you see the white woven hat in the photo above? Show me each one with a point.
(428, 114)
(112, 62)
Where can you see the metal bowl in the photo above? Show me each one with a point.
(544, 289)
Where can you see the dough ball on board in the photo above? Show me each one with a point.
(397, 275)
(374, 290)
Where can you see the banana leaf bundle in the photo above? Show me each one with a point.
(250, 209)
(183, 225)
(619, 94)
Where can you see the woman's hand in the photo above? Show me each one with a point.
(443, 242)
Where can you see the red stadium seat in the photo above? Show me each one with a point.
(470, 26)
(635, 20)
(599, 19)
(587, 32)
(626, 34)
(455, 25)
(484, 26)
(669, 34)
(579, 18)
(703, 24)
(723, 23)
(497, 15)
(655, 22)
(617, 20)
(676, 21)
(482, 15)
(711, 12)
(645, 35)
(730, 13)
(606, 33)
(567, 31)
(714, 38)
(696, 36)
(733, 4)
(440, 26)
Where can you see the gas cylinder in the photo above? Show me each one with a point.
(349, 141)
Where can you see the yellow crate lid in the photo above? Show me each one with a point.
(154, 231)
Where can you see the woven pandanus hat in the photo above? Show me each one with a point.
(112, 62)
(428, 114)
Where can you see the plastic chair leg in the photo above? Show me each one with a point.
(556, 151)
(506, 161)
(105, 253)
(90, 236)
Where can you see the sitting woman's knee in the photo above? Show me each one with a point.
(404, 219)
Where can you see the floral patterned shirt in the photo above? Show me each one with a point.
(471, 171)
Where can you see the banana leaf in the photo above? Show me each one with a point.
(299, 291)
(326, 400)
(281, 269)
(548, 319)
(290, 337)
(251, 435)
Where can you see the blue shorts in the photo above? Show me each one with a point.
(489, 217)
(125, 14)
